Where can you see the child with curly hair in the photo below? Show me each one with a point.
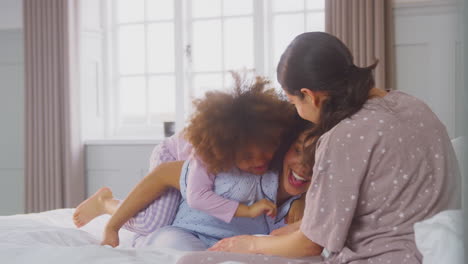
(239, 129)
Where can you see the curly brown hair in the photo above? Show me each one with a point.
(225, 123)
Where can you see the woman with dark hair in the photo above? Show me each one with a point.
(383, 162)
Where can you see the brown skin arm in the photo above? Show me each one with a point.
(151, 187)
(292, 245)
(287, 229)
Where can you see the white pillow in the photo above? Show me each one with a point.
(440, 238)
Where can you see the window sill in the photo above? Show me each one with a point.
(119, 142)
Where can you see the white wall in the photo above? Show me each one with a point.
(11, 108)
(11, 14)
(429, 59)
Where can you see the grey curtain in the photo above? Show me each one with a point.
(54, 164)
(367, 28)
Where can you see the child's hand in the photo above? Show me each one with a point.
(296, 212)
(111, 237)
(263, 206)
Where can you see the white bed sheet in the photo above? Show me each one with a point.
(50, 237)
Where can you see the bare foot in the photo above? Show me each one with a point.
(92, 207)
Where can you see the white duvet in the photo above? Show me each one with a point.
(50, 237)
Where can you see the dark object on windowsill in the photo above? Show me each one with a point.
(169, 129)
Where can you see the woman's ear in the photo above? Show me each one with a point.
(311, 97)
(316, 98)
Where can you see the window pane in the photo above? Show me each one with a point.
(161, 47)
(316, 21)
(130, 10)
(132, 96)
(285, 29)
(315, 4)
(207, 45)
(244, 75)
(238, 41)
(276, 84)
(131, 49)
(237, 7)
(162, 98)
(206, 8)
(288, 5)
(206, 82)
(160, 9)
(228, 81)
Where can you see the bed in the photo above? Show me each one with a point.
(50, 237)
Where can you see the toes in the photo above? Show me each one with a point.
(78, 223)
(76, 214)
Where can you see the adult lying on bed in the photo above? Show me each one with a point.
(195, 230)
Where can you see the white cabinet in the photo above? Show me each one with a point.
(116, 165)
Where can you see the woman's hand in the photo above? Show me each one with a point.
(293, 245)
(238, 244)
(111, 237)
(296, 212)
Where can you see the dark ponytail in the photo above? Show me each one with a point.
(345, 102)
(321, 62)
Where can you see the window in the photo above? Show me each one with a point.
(221, 38)
(289, 19)
(164, 53)
(144, 55)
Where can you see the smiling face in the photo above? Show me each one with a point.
(296, 175)
(254, 159)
